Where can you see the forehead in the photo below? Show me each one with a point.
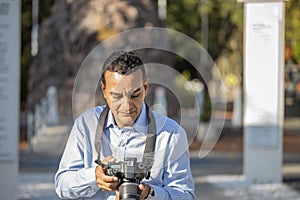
(124, 81)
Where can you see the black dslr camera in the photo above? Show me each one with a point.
(130, 173)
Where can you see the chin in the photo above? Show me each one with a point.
(127, 122)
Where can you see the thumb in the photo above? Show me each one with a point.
(109, 159)
(117, 195)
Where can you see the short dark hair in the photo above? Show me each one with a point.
(123, 62)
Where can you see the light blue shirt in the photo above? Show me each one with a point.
(171, 177)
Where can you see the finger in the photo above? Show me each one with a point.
(100, 173)
(117, 195)
(107, 186)
(108, 159)
(104, 188)
(109, 179)
(145, 190)
(100, 176)
(142, 186)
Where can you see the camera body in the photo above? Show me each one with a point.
(130, 173)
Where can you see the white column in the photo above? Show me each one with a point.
(9, 96)
(52, 115)
(263, 90)
(35, 28)
(162, 9)
(160, 101)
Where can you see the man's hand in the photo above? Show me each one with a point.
(145, 190)
(106, 183)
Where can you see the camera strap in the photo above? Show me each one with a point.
(148, 157)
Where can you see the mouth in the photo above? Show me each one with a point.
(126, 112)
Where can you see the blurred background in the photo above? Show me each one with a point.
(58, 35)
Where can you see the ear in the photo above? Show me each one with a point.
(146, 86)
(103, 89)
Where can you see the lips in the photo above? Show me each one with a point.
(126, 113)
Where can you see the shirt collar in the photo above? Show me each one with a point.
(110, 120)
(140, 124)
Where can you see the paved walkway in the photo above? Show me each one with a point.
(217, 176)
(36, 186)
(219, 186)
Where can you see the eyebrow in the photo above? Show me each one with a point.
(136, 90)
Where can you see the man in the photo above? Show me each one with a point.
(124, 132)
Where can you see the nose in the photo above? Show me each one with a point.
(126, 103)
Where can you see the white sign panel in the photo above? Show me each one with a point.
(262, 136)
(262, 73)
(9, 78)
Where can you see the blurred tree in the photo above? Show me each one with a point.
(223, 18)
(292, 27)
(216, 25)
(26, 24)
(68, 35)
(25, 48)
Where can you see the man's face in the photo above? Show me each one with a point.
(125, 95)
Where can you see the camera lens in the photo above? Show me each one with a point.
(130, 191)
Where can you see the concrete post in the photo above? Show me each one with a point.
(263, 90)
(9, 96)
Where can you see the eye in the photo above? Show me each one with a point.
(135, 95)
(116, 96)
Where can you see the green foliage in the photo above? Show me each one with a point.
(206, 114)
(292, 27)
(225, 21)
(26, 57)
(224, 17)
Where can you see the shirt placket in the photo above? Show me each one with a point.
(124, 142)
(120, 141)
